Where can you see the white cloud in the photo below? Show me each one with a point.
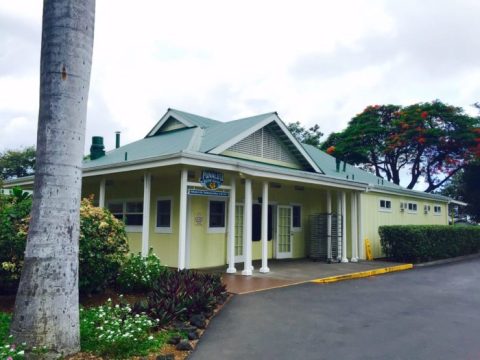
(314, 62)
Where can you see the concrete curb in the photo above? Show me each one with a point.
(362, 274)
(447, 261)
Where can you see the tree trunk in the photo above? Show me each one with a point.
(46, 308)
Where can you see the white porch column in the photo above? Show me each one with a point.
(182, 221)
(147, 185)
(231, 228)
(344, 227)
(361, 240)
(264, 268)
(354, 227)
(339, 224)
(247, 228)
(329, 224)
(101, 193)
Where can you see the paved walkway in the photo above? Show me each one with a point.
(289, 272)
(427, 313)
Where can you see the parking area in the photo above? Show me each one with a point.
(426, 313)
(290, 272)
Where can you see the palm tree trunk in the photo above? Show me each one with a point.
(46, 308)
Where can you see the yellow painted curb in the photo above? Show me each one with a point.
(362, 274)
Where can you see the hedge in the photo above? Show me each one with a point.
(420, 243)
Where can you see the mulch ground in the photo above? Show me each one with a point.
(167, 349)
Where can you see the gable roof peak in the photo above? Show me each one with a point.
(233, 132)
(180, 119)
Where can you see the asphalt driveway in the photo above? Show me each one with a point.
(428, 313)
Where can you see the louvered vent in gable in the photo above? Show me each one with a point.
(264, 144)
(171, 124)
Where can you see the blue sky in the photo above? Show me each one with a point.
(317, 62)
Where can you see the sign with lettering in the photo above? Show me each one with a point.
(203, 192)
(211, 180)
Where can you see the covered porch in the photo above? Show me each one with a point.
(248, 219)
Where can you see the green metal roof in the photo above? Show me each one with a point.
(329, 165)
(200, 121)
(168, 143)
(216, 135)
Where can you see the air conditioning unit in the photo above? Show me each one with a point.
(426, 209)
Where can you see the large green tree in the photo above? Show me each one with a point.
(17, 163)
(464, 187)
(309, 136)
(430, 141)
(46, 307)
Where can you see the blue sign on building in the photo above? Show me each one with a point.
(211, 179)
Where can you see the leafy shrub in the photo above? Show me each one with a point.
(5, 320)
(113, 331)
(138, 274)
(14, 210)
(8, 350)
(102, 248)
(177, 295)
(418, 243)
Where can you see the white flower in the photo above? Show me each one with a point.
(21, 352)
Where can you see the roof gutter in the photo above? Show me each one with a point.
(244, 167)
(412, 193)
(456, 202)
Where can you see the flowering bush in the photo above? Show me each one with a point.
(8, 350)
(113, 331)
(139, 274)
(103, 244)
(13, 212)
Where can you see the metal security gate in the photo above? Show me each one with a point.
(322, 245)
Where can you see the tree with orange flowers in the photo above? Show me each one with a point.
(430, 141)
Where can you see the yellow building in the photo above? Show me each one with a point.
(205, 193)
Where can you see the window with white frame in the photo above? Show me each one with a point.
(437, 210)
(412, 207)
(385, 205)
(129, 211)
(216, 215)
(296, 217)
(164, 215)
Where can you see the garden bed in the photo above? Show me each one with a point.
(162, 308)
(168, 350)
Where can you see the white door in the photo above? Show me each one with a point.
(284, 232)
(239, 243)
